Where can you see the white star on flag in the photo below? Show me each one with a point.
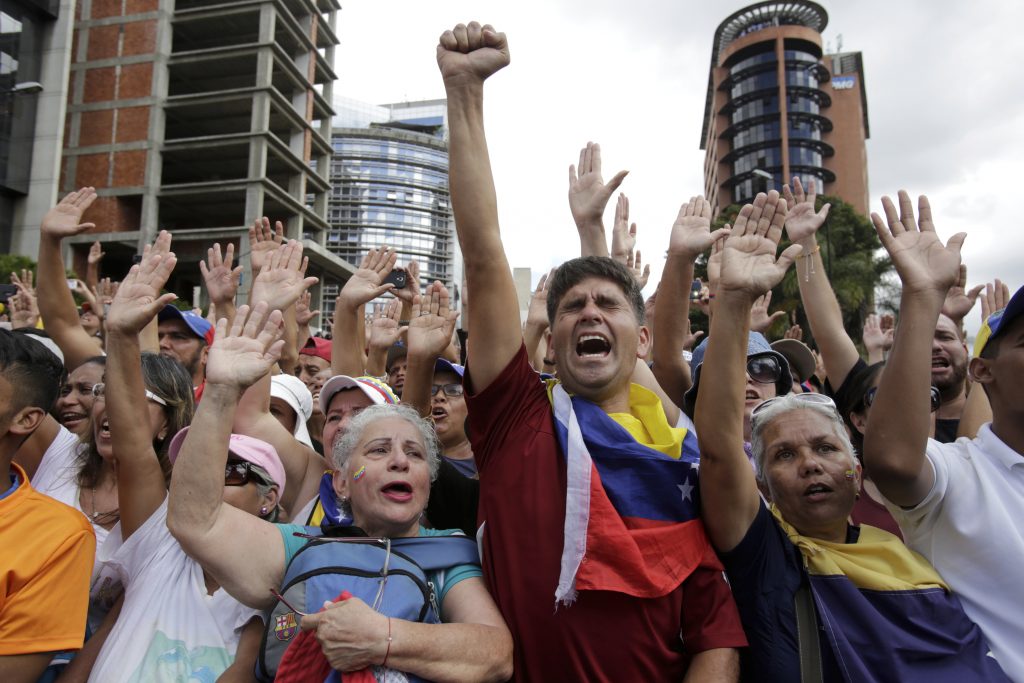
(687, 490)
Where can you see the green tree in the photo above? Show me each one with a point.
(13, 263)
(855, 264)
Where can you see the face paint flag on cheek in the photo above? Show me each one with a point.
(359, 473)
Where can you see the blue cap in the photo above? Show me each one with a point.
(999, 321)
(756, 345)
(443, 365)
(199, 325)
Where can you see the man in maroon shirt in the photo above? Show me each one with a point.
(691, 632)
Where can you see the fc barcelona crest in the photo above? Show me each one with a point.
(285, 626)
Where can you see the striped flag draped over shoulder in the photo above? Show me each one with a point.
(632, 512)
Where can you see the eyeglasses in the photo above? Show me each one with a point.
(451, 390)
(933, 394)
(240, 473)
(764, 368)
(819, 399)
(99, 391)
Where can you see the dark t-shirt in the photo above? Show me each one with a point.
(765, 570)
(603, 636)
(945, 430)
(453, 500)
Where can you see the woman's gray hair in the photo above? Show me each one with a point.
(344, 446)
(263, 488)
(786, 404)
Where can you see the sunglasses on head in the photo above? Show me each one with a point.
(820, 399)
(764, 368)
(240, 473)
(934, 395)
(449, 389)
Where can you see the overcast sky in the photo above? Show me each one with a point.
(943, 81)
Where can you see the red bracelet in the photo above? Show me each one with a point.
(388, 652)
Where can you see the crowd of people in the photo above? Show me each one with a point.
(586, 495)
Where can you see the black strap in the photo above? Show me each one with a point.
(807, 635)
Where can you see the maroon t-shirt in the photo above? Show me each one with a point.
(603, 636)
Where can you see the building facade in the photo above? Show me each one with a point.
(389, 180)
(199, 117)
(778, 107)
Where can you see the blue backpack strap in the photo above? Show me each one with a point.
(438, 552)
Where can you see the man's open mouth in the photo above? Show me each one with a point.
(592, 345)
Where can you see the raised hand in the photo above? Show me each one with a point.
(432, 323)
(23, 307)
(749, 263)
(794, 332)
(412, 283)
(802, 222)
(303, 314)
(106, 290)
(996, 298)
(690, 338)
(245, 353)
(25, 282)
(623, 233)
(138, 299)
(760, 319)
(537, 312)
(263, 241)
(221, 280)
(282, 279)
(923, 263)
(691, 233)
(469, 54)
(959, 302)
(877, 341)
(64, 220)
(96, 254)
(384, 325)
(365, 284)
(588, 193)
(640, 274)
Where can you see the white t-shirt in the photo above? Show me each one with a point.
(169, 629)
(57, 477)
(970, 526)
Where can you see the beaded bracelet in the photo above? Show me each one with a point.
(809, 271)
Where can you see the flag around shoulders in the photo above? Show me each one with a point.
(632, 513)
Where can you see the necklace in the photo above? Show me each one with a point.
(102, 518)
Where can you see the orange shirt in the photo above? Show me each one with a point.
(46, 559)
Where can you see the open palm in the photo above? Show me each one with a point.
(432, 324)
(65, 219)
(245, 353)
(920, 258)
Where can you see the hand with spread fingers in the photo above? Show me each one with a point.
(623, 233)
(691, 233)
(282, 279)
(537, 313)
(995, 298)
(263, 241)
(241, 355)
(959, 300)
(802, 221)
(221, 280)
(924, 264)
(432, 323)
(588, 197)
(412, 284)
(138, 299)
(794, 332)
(877, 341)
(760, 319)
(23, 308)
(64, 220)
(385, 326)
(303, 314)
(366, 283)
(96, 254)
(749, 263)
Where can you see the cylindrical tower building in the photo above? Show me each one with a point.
(766, 116)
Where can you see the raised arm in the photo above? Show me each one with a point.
(466, 56)
(728, 490)
(279, 285)
(92, 265)
(588, 197)
(900, 418)
(819, 301)
(56, 305)
(959, 300)
(348, 337)
(430, 332)
(218, 536)
(690, 237)
(537, 322)
(221, 279)
(141, 486)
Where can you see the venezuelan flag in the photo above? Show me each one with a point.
(887, 614)
(632, 510)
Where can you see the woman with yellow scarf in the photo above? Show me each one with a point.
(819, 598)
